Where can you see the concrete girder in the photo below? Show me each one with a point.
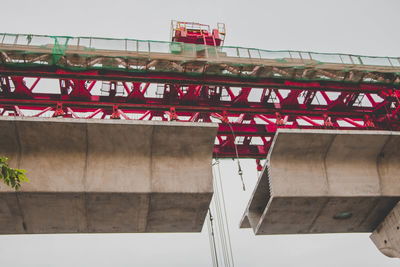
(326, 181)
(97, 176)
(386, 236)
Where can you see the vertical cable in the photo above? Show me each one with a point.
(221, 229)
(226, 217)
(240, 172)
(220, 222)
(211, 239)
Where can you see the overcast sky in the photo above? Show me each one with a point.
(360, 27)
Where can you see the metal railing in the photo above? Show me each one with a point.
(64, 44)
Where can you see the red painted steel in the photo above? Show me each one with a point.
(196, 33)
(249, 109)
(248, 116)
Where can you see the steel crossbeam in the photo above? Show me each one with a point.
(248, 115)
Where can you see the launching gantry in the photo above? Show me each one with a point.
(315, 117)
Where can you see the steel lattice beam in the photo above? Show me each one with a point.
(248, 116)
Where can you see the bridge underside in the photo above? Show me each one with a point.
(114, 176)
(326, 182)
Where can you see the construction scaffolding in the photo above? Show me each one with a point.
(130, 55)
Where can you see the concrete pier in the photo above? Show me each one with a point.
(326, 181)
(386, 236)
(106, 176)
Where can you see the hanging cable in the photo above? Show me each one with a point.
(240, 172)
(224, 119)
(211, 238)
(220, 228)
(221, 239)
(226, 217)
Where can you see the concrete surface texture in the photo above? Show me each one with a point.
(386, 236)
(106, 175)
(326, 181)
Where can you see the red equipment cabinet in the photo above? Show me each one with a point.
(196, 33)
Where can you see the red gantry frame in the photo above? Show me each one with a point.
(248, 107)
(248, 112)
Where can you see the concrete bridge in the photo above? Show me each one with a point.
(121, 176)
(329, 181)
(106, 176)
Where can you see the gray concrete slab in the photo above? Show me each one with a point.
(312, 177)
(386, 236)
(111, 176)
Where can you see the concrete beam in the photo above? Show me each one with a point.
(386, 236)
(326, 181)
(114, 176)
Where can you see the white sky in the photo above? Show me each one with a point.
(360, 27)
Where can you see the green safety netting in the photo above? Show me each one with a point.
(59, 47)
(142, 55)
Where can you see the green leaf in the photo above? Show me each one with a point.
(12, 177)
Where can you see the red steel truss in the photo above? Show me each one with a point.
(248, 112)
